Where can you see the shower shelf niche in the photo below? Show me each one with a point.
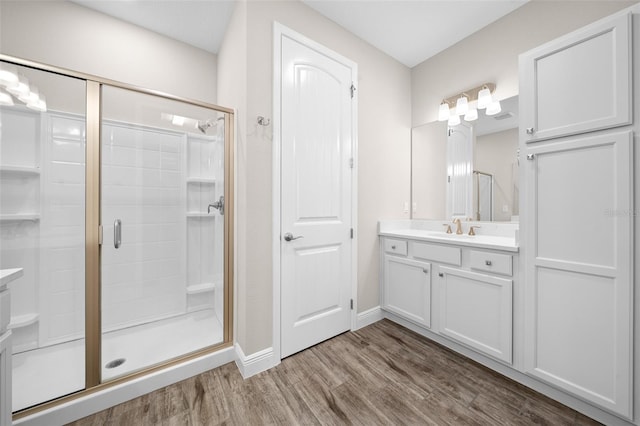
(27, 170)
(207, 181)
(204, 162)
(201, 288)
(201, 215)
(18, 217)
(19, 321)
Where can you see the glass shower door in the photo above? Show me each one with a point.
(42, 229)
(162, 206)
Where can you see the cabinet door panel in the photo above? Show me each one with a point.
(578, 280)
(407, 289)
(5, 379)
(575, 326)
(476, 310)
(578, 83)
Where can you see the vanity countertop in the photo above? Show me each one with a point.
(496, 236)
(8, 275)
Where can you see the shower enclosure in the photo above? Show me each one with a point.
(116, 203)
(482, 196)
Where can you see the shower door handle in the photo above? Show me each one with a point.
(117, 233)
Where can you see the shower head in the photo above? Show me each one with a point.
(203, 126)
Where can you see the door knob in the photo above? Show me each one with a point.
(289, 237)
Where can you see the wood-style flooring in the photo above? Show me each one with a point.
(380, 374)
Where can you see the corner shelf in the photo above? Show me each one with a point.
(19, 321)
(201, 215)
(25, 170)
(200, 288)
(209, 181)
(18, 217)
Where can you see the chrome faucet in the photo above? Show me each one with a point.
(458, 226)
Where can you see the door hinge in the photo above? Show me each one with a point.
(351, 233)
(351, 304)
(353, 90)
(100, 233)
(351, 163)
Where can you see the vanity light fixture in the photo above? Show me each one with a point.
(177, 120)
(462, 105)
(8, 75)
(467, 104)
(31, 97)
(484, 98)
(454, 120)
(494, 108)
(471, 115)
(18, 86)
(5, 99)
(443, 113)
(39, 105)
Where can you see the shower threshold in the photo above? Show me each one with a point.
(47, 373)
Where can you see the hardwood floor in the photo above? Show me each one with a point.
(380, 374)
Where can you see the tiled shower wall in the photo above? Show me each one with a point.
(142, 185)
(153, 181)
(61, 285)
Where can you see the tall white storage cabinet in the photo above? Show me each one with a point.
(576, 217)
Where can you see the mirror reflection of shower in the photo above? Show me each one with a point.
(483, 196)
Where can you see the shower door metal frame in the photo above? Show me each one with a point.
(93, 224)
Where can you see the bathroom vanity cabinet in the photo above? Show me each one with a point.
(6, 276)
(576, 213)
(462, 293)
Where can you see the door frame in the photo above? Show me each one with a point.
(280, 31)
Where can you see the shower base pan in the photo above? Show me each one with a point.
(44, 374)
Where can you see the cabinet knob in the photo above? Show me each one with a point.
(393, 247)
(426, 271)
(530, 157)
(530, 130)
(487, 262)
(440, 274)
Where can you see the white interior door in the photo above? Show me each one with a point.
(317, 139)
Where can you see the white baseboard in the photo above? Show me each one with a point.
(256, 362)
(117, 394)
(368, 317)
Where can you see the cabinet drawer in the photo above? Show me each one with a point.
(491, 262)
(5, 310)
(437, 253)
(395, 246)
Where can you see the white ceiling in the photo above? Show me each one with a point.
(410, 31)
(413, 31)
(200, 23)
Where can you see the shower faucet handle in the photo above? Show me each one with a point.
(218, 205)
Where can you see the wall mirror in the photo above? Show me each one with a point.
(474, 164)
